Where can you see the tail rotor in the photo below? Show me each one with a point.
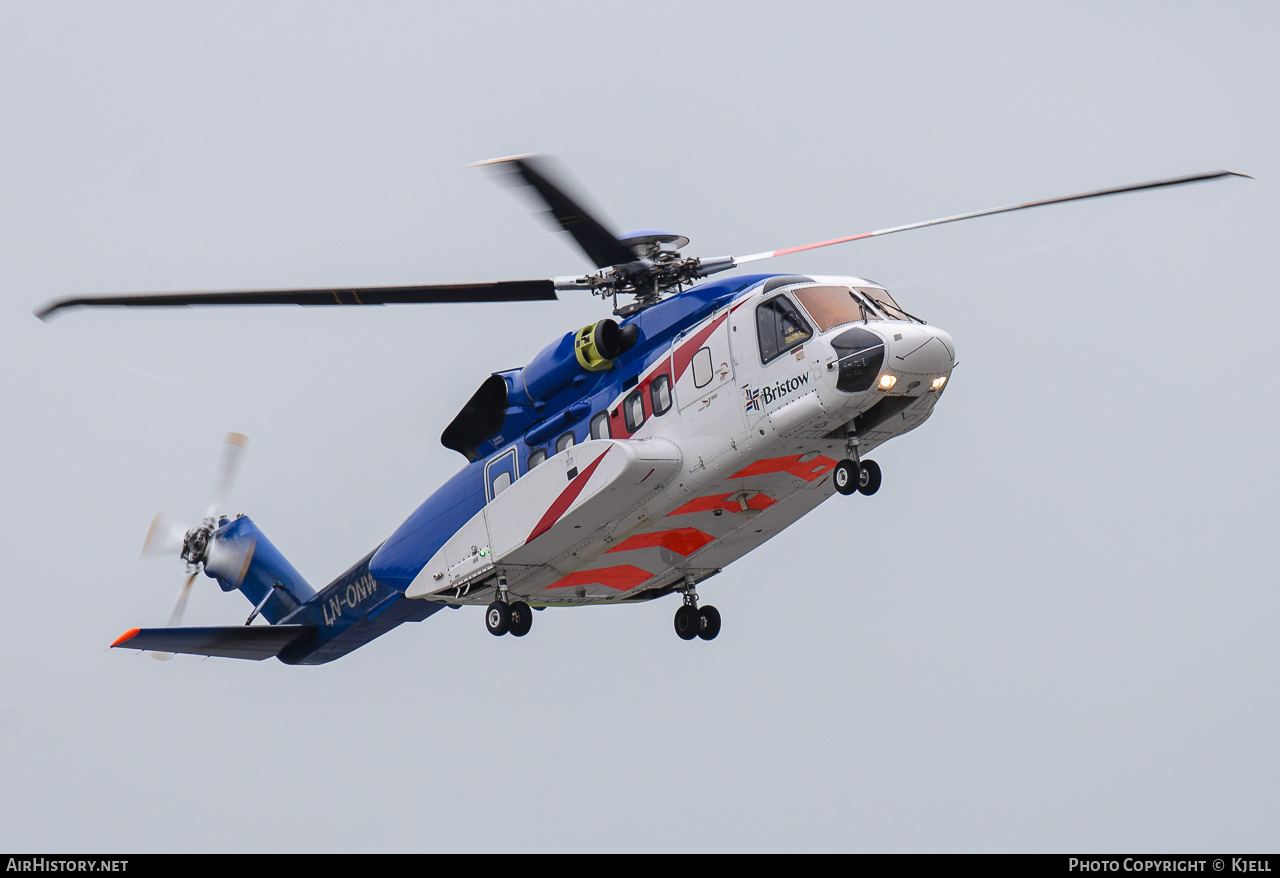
(199, 547)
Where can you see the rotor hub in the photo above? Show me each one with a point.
(650, 242)
(195, 546)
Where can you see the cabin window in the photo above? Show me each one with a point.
(536, 457)
(600, 426)
(633, 410)
(780, 328)
(500, 473)
(660, 394)
(703, 370)
(564, 442)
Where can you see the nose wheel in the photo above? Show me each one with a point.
(860, 476)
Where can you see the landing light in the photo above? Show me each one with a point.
(887, 381)
(938, 382)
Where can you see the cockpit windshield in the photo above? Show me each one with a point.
(833, 306)
(886, 303)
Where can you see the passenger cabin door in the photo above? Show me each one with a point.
(702, 366)
(701, 363)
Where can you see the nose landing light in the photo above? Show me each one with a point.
(939, 381)
(887, 381)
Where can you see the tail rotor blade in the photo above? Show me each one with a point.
(175, 618)
(232, 453)
(165, 538)
(180, 606)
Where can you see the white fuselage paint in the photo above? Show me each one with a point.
(745, 450)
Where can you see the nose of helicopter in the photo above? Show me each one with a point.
(918, 354)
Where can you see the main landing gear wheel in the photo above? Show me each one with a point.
(497, 618)
(520, 616)
(688, 622)
(846, 477)
(869, 483)
(709, 616)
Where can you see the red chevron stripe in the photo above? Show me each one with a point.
(683, 541)
(758, 502)
(808, 471)
(621, 578)
(684, 354)
(565, 500)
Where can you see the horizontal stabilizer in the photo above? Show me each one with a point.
(256, 642)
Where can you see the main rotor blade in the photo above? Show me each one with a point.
(502, 291)
(601, 245)
(1136, 187)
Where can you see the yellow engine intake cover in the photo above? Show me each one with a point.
(584, 347)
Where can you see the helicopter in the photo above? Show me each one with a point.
(630, 459)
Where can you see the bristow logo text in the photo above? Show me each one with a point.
(758, 399)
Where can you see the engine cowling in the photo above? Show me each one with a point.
(591, 349)
(502, 396)
(596, 347)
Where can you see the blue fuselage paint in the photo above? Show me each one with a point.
(403, 556)
(268, 570)
(346, 614)
(368, 600)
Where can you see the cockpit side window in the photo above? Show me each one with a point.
(780, 328)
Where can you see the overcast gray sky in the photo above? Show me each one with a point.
(1052, 629)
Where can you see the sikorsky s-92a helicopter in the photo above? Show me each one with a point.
(628, 460)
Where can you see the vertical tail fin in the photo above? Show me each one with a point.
(268, 575)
